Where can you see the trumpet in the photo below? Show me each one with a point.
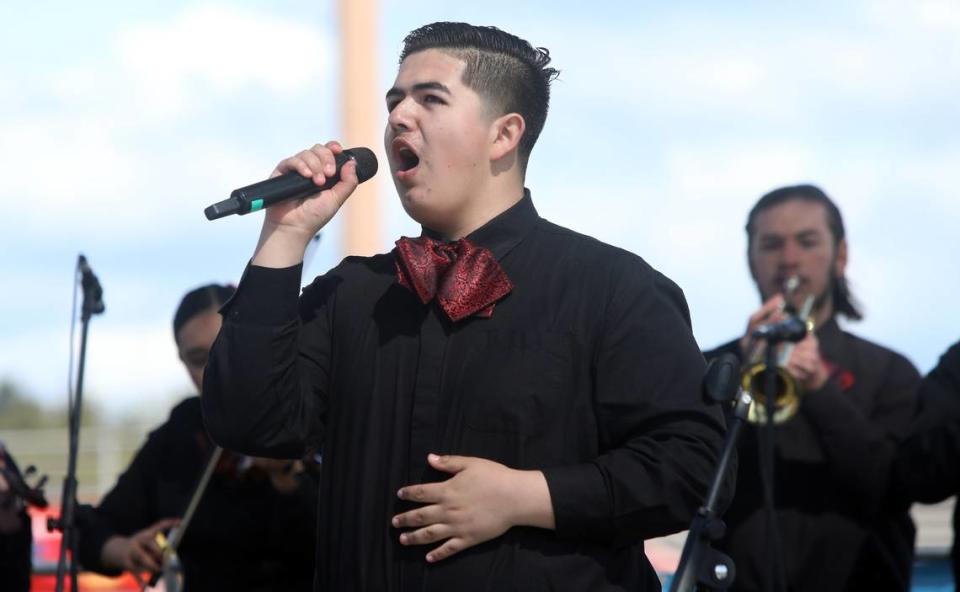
(788, 393)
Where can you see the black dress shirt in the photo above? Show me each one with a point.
(928, 465)
(587, 371)
(244, 536)
(837, 528)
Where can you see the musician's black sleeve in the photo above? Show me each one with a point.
(128, 507)
(928, 465)
(860, 447)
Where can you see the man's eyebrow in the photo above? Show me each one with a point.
(806, 234)
(420, 86)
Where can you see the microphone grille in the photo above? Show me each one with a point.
(366, 162)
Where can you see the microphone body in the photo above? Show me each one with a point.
(721, 381)
(92, 291)
(290, 186)
(792, 329)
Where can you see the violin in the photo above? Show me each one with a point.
(19, 486)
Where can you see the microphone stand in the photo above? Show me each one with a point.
(66, 523)
(790, 330)
(700, 564)
(767, 448)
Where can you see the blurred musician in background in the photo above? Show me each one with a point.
(928, 464)
(255, 524)
(15, 536)
(833, 526)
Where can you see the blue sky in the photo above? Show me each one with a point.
(120, 122)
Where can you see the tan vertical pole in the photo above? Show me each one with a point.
(361, 120)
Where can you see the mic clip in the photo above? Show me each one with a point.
(792, 329)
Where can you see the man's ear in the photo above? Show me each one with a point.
(506, 132)
(840, 262)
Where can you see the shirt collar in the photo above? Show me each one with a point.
(505, 231)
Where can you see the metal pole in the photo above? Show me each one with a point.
(362, 109)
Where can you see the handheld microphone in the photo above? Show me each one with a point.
(290, 186)
(791, 329)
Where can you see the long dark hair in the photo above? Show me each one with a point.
(200, 300)
(843, 301)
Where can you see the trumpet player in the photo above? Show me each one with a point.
(829, 526)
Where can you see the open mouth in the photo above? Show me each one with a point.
(405, 157)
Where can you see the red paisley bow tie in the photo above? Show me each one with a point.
(464, 278)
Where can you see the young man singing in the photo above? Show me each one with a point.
(503, 404)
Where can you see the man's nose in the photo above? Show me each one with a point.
(400, 118)
(790, 256)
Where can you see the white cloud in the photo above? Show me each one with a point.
(215, 49)
(939, 14)
(932, 177)
(112, 185)
(67, 165)
(699, 172)
(771, 73)
(101, 152)
(79, 84)
(671, 78)
(127, 365)
(8, 94)
(700, 74)
(134, 362)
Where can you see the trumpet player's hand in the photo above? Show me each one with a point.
(770, 312)
(806, 365)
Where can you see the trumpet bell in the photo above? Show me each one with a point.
(786, 402)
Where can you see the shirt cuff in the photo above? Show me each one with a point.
(580, 502)
(266, 296)
(93, 534)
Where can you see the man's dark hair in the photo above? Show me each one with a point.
(508, 72)
(843, 301)
(200, 300)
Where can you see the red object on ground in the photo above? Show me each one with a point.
(46, 552)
